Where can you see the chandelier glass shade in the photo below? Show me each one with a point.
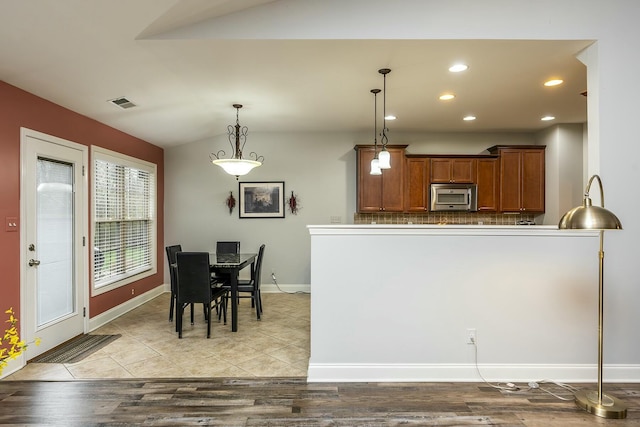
(375, 167)
(385, 158)
(237, 165)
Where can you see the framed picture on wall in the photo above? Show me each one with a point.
(261, 199)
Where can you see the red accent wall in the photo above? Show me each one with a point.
(22, 109)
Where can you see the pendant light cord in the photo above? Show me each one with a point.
(375, 121)
(384, 138)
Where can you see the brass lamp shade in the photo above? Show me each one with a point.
(589, 217)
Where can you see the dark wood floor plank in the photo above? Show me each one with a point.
(287, 402)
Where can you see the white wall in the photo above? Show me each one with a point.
(564, 169)
(461, 143)
(393, 303)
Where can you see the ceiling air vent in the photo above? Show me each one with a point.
(122, 102)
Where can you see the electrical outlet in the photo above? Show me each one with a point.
(471, 336)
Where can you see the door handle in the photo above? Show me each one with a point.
(34, 262)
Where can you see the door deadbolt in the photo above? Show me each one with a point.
(32, 247)
(33, 262)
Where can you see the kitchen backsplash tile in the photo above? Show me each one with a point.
(469, 218)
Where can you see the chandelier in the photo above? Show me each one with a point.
(237, 165)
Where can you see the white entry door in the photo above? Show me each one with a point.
(54, 211)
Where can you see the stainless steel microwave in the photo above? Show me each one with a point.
(454, 197)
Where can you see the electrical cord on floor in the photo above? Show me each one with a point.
(532, 385)
(571, 389)
(275, 282)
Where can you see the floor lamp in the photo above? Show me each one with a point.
(588, 217)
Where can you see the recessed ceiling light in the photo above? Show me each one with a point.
(554, 82)
(469, 118)
(390, 117)
(447, 96)
(456, 68)
(547, 118)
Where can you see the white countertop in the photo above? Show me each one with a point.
(446, 229)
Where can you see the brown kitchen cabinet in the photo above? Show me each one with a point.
(380, 193)
(522, 184)
(459, 170)
(487, 181)
(417, 184)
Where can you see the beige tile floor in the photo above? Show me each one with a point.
(276, 346)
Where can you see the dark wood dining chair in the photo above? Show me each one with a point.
(225, 247)
(171, 259)
(251, 288)
(194, 285)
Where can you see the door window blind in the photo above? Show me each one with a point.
(123, 236)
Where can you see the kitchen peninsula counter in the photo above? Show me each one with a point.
(394, 302)
(471, 229)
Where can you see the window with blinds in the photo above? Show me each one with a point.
(123, 220)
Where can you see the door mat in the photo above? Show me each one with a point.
(76, 350)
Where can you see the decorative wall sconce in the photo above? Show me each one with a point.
(230, 202)
(294, 203)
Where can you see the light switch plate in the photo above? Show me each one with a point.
(11, 223)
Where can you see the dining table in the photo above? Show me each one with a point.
(230, 264)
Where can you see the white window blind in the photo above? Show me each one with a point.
(124, 220)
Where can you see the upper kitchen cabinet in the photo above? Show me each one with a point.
(522, 186)
(487, 181)
(417, 184)
(380, 193)
(449, 170)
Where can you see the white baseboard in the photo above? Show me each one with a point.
(112, 314)
(13, 365)
(319, 372)
(273, 289)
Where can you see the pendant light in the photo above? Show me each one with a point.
(384, 157)
(237, 165)
(375, 163)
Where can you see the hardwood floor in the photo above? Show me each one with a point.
(290, 402)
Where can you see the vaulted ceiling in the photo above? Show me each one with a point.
(184, 63)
